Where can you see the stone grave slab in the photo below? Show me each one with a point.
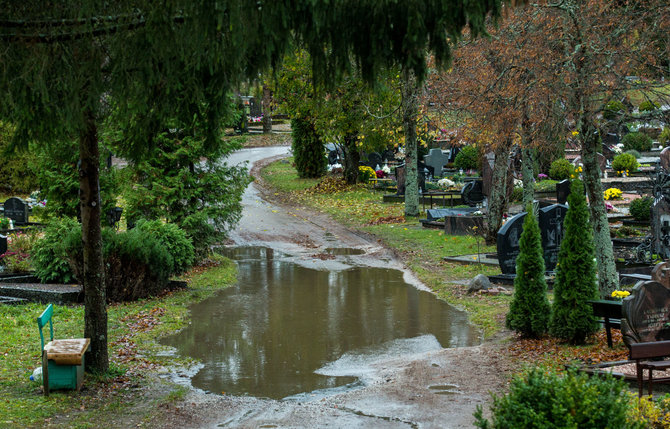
(507, 243)
(436, 159)
(17, 210)
(473, 193)
(433, 214)
(551, 229)
(646, 313)
(400, 177)
(464, 225)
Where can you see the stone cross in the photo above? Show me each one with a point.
(436, 159)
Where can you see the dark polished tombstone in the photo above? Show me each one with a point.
(17, 210)
(437, 160)
(611, 139)
(3, 244)
(660, 227)
(332, 157)
(374, 160)
(646, 313)
(388, 156)
(400, 180)
(665, 159)
(453, 152)
(562, 191)
(551, 230)
(472, 193)
(507, 243)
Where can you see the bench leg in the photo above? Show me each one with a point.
(45, 373)
(651, 381)
(639, 378)
(609, 332)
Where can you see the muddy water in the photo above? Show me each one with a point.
(286, 329)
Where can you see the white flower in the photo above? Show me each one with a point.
(386, 169)
(334, 166)
(445, 183)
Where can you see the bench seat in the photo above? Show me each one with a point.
(646, 357)
(67, 352)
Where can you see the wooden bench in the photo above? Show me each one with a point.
(62, 360)
(610, 311)
(644, 354)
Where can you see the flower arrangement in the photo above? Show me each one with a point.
(620, 294)
(386, 169)
(366, 173)
(380, 174)
(613, 194)
(445, 183)
(541, 177)
(577, 172)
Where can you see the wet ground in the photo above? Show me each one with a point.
(330, 321)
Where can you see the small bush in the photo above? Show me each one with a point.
(561, 169)
(174, 240)
(640, 208)
(649, 413)
(17, 257)
(648, 106)
(51, 254)
(467, 158)
(664, 137)
(637, 141)
(366, 173)
(517, 194)
(541, 398)
(613, 108)
(633, 152)
(625, 162)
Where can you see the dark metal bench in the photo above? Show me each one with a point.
(610, 311)
(641, 353)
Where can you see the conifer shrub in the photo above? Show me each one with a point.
(637, 141)
(613, 108)
(174, 240)
(561, 169)
(529, 310)
(625, 162)
(648, 106)
(640, 208)
(572, 316)
(541, 398)
(50, 254)
(308, 150)
(466, 158)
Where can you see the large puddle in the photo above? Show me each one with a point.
(284, 329)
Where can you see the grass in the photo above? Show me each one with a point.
(133, 332)
(423, 250)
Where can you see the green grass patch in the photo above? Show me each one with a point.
(284, 177)
(422, 249)
(133, 332)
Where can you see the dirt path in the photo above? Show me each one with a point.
(438, 389)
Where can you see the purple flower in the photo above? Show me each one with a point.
(542, 176)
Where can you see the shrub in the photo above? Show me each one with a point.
(365, 173)
(174, 240)
(613, 194)
(308, 149)
(640, 208)
(613, 108)
(16, 169)
(664, 137)
(467, 158)
(572, 316)
(648, 106)
(561, 169)
(17, 257)
(50, 254)
(625, 162)
(517, 194)
(647, 412)
(633, 152)
(541, 398)
(529, 310)
(637, 141)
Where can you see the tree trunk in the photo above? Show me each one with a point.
(497, 201)
(527, 175)
(267, 110)
(608, 278)
(351, 158)
(409, 115)
(95, 313)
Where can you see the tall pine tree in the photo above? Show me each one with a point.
(572, 317)
(529, 311)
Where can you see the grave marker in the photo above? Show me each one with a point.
(3, 244)
(17, 210)
(507, 243)
(437, 160)
(646, 313)
(562, 191)
(551, 230)
(665, 159)
(472, 193)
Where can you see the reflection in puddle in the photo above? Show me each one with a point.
(268, 334)
(344, 251)
(445, 389)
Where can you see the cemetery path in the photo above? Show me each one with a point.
(435, 389)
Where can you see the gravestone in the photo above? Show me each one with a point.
(3, 244)
(665, 159)
(661, 274)
(472, 193)
(387, 156)
(374, 159)
(562, 191)
(436, 159)
(611, 139)
(400, 180)
(646, 313)
(507, 243)
(551, 230)
(660, 227)
(17, 210)
(453, 152)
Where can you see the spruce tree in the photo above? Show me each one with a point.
(308, 149)
(529, 310)
(572, 317)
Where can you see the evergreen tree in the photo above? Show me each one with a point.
(308, 150)
(572, 317)
(530, 310)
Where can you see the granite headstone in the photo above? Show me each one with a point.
(473, 193)
(437, 160)
(507, 243)
(400, 180)
(3, 244)
(562, 191)
(17, 210)
(660, 227)
(551, 230)
(646, 313)
(665, 159)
